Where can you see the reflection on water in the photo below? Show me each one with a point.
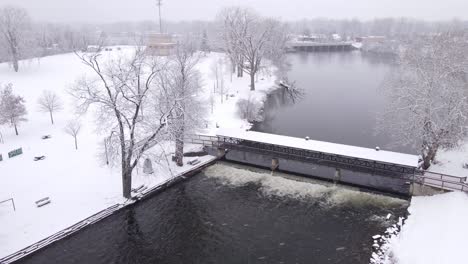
(341, 102)
(233, 215)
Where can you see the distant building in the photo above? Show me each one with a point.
(161, 44)
(336, 37)
(311, 38)
(371, 39)
(93, 48)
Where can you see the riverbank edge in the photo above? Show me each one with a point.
(103, 214)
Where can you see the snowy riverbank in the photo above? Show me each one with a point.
(451, 161)
(434, 232)
(76, 181)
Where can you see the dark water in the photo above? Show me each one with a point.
(342, 96)
(228, 215)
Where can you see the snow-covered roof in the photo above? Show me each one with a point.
(324, 147)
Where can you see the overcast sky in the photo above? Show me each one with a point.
(133, 10)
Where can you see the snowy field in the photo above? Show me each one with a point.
(77, 182)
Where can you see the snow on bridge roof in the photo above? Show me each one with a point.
(324, 147)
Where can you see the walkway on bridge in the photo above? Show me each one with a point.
(368, 154)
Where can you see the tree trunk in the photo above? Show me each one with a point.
(233, 66)
(51, 117)
(240, 69)
(76, 143)
(126, 182)
(252, 81)
(16, 130)
(15, 64)
(179, 152)
(14, 55)
(429, 157)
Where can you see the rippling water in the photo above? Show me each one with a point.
(229, 214)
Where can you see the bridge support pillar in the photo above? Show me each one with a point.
(337, 175)
(221, 152)
(274, 164)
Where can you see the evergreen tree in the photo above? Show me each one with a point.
(204, 43)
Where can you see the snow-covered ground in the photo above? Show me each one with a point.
(451, 161)
(77, 182)
(434, 233)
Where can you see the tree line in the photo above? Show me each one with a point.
(22, 38)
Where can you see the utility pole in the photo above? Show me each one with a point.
(159, 3)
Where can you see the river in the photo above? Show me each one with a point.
(341, 96)
(231, 214)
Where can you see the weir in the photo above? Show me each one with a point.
(381, 170)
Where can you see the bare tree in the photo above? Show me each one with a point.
(427, 102)
(49, 102)
(181, 85)
(217, 69)
(13, 23)
(73, 128)
(12, 109)
(232, 30)
(119, 91)
(250, 39)
(249, 109)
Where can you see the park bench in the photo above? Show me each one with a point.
(43, 201)
(39, 158)
(193, 162)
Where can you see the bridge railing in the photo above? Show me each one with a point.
(441, 176)
(205, 140)
(441, 183)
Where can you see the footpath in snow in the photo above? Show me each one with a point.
(77, 182)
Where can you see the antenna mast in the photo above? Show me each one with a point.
(159, 3)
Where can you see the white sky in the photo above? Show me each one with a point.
(134, 10)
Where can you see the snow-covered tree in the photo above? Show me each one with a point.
(249, 109)
(73, 128)
(232, 30)
(180, 86)
(250, 39)
(204, 46)
(50, 103)
(427, 103)
(14, 22)
(12, 108)
(119, 91)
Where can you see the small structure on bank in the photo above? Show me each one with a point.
(161, 44)
(148, 167)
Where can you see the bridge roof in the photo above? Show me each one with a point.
(324, 147)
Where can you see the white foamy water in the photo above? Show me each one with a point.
(296, 187)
